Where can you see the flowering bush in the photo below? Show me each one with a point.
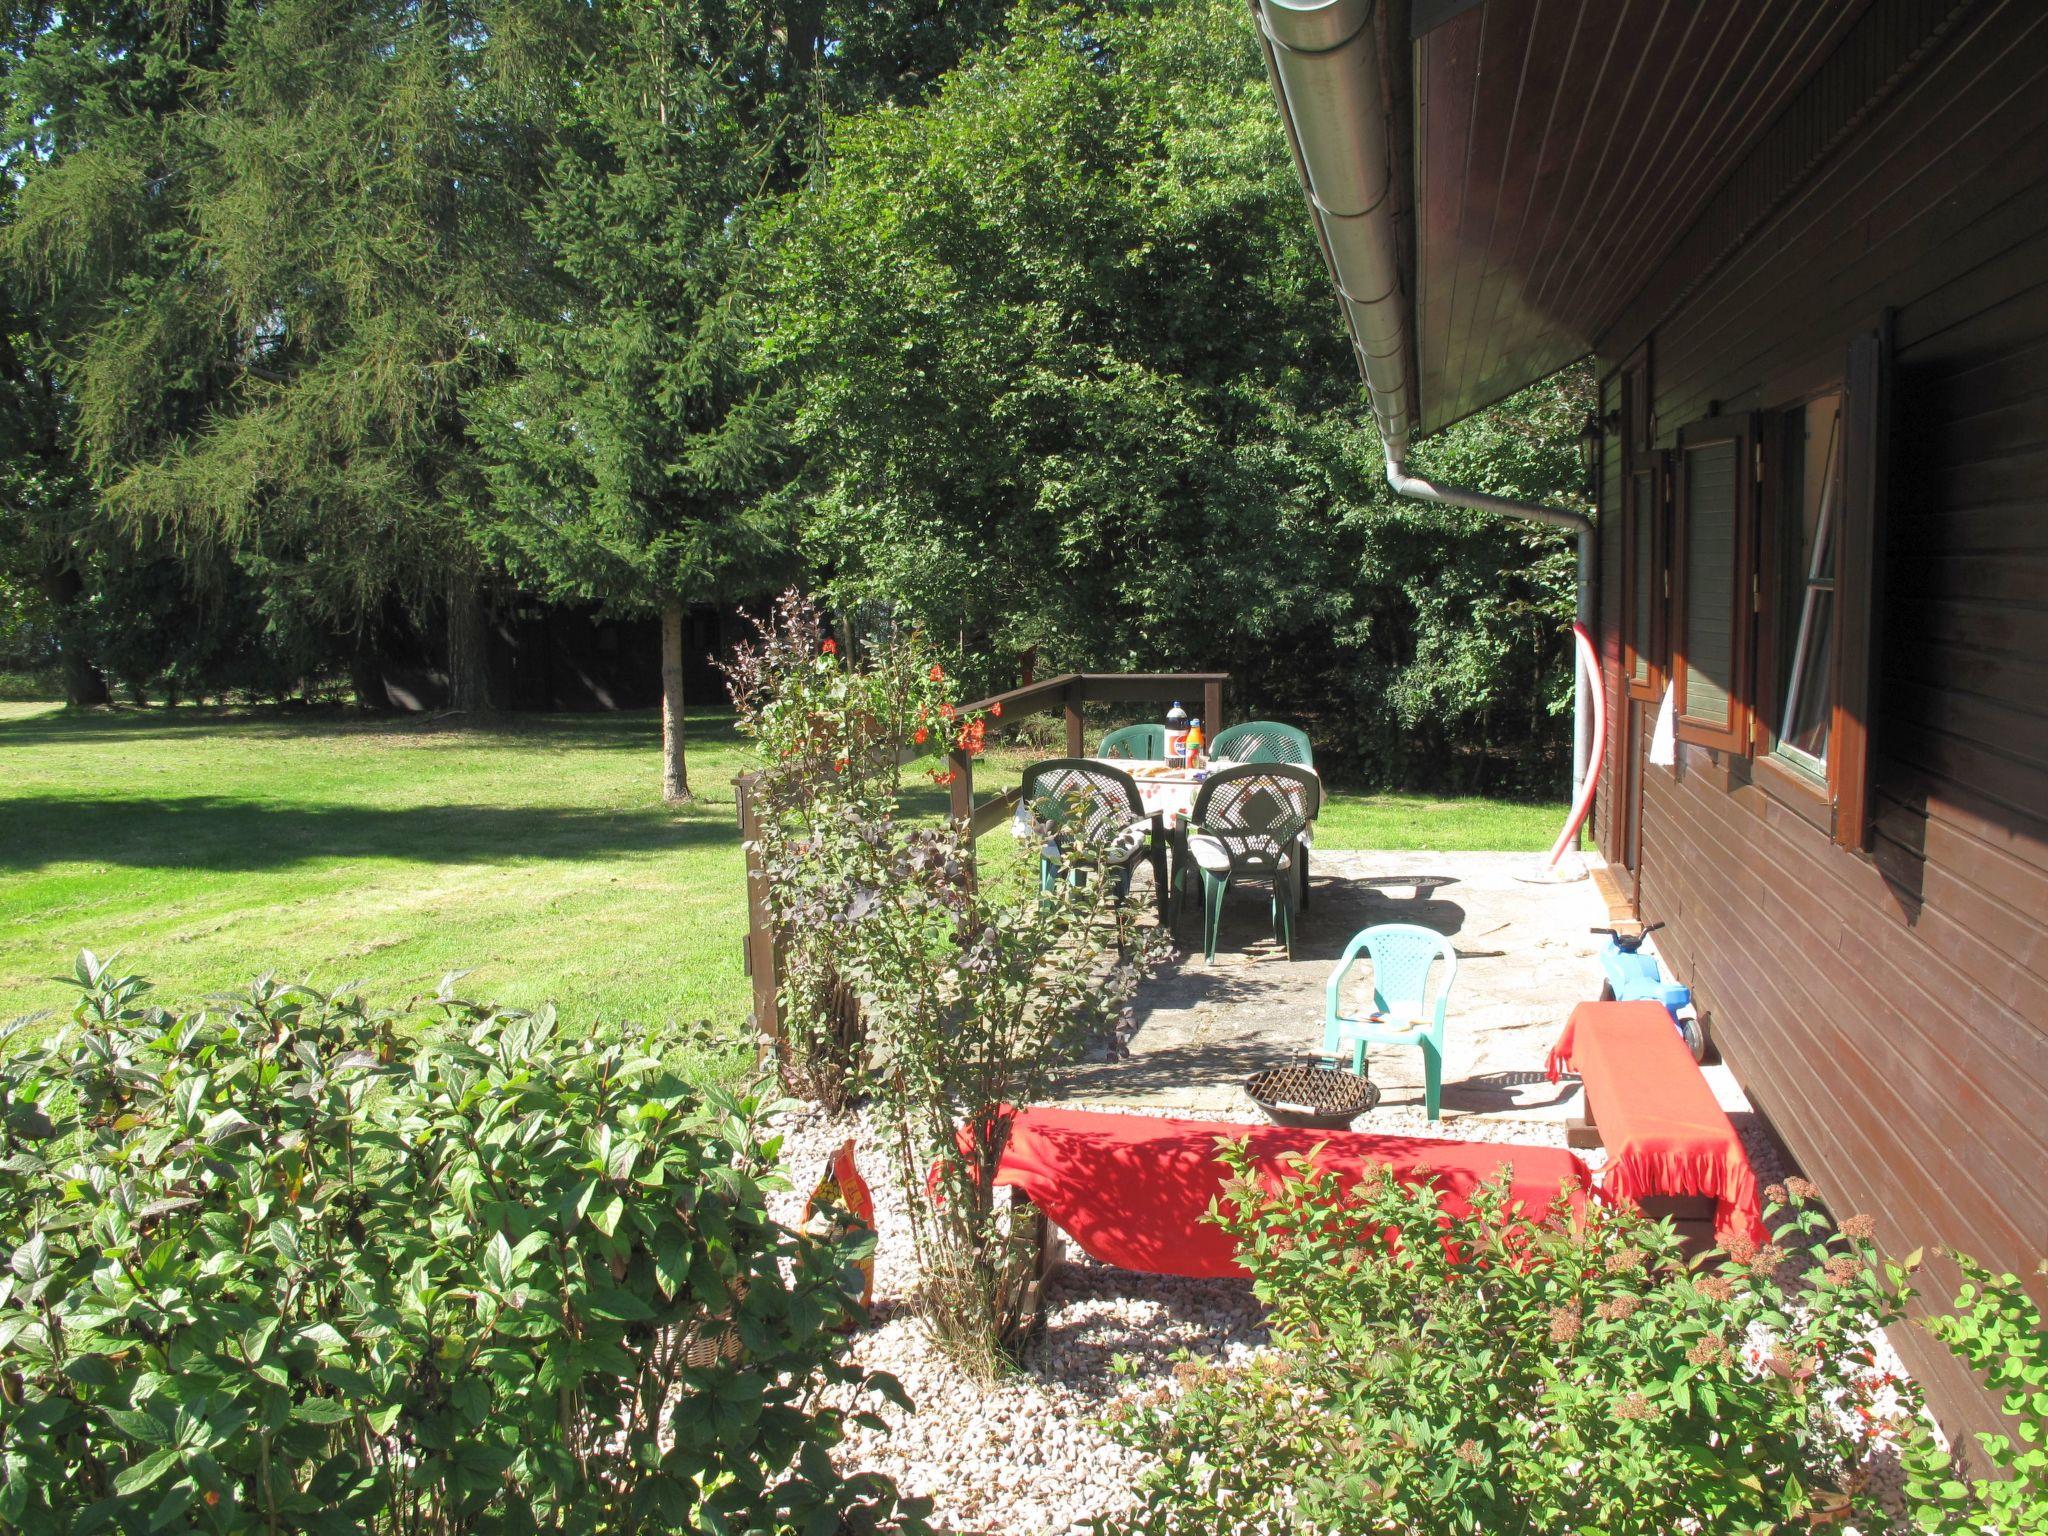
(834, 733)
(282, 1265)
(969, 993)
(1513, 1372)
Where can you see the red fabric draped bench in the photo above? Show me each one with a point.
(1666, 1135)
(1131, 1189)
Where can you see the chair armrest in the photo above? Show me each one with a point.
(1333, 989)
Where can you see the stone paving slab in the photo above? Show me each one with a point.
(1526, 956)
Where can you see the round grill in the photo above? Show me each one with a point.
(1320, 1098)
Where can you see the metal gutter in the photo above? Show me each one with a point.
(1322, 57)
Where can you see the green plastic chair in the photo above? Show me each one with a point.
(1263, 741)
(1268, 741)
(1141, 742)
(1068, 801)
(1246, 824)
(1402, 955)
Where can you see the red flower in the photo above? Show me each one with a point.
(938, 673)
(919, 735)
(996, 709)
(946, 711)
(943, 778)
(840, 766)
(831, 647)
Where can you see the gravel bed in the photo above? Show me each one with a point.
(1024, 1456)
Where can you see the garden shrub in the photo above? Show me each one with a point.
(1996, 1330)
(1486, 1372)
(971, 993)
(293, 1263)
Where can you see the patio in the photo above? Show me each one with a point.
(1526, 955)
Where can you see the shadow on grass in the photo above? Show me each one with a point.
(215, 833)
(636, 730)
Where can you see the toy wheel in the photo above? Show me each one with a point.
(1695, 1038)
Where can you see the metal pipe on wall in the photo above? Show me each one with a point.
(1323, 60)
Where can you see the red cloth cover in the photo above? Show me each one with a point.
(1664, 1131)
(1131, 1189)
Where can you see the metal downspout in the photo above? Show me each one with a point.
(1583, 606)
(1323, 60)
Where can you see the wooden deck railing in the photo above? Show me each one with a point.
(1069, 695)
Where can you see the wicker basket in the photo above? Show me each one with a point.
(1312, 1097)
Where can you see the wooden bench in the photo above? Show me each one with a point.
(1672, 1150)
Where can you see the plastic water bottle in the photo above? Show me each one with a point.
(1176, 734)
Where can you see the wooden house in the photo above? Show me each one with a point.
(1806, 242)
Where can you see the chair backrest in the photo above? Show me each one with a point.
(1263, 741)
(1146, 742)
(1257, 810)
(1403, 955)
(1079, 799)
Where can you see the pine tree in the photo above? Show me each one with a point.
(634, 453)
(279, 256)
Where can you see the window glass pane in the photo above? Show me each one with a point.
(1710, 581)
(1806, 577)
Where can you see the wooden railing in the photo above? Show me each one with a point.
(1069, 695)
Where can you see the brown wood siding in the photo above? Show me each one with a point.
(1889, 1013)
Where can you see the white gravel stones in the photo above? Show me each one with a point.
(1025, 1456)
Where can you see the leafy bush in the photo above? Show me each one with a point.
(285, 1265)
(969, 993)
(1997, 1330)
(1488, 1373)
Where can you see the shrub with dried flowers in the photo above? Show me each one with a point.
(971, 992)
(1514, 1371)
(835, 731)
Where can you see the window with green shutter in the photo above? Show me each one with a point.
(1643, 523)
(1715, 582)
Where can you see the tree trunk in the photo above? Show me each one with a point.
(469, 654)
(366, 678)
(84, 683)
(675, 769)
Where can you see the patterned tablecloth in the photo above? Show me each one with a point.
(1165, 788)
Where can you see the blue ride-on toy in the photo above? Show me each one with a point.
(1634, 977)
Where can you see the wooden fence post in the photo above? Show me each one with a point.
(1212, 712)
(1077, 733)
(762, 950)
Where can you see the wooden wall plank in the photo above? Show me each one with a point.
(1889, 1013)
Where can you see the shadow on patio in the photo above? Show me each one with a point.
(1525, 958)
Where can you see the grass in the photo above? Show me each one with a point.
(206, 846)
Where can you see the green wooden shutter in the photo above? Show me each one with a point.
(1710, 650)
(1644, 506)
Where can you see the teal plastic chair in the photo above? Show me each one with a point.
(1263, 741)
(1246, 824)
(1268, 741)
(1402, 955)
(1140, 742)
(1075, 801)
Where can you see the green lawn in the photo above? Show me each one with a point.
(537, 855)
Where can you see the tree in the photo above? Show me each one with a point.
(635, 451)
(277, 234)
(1068, 375)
